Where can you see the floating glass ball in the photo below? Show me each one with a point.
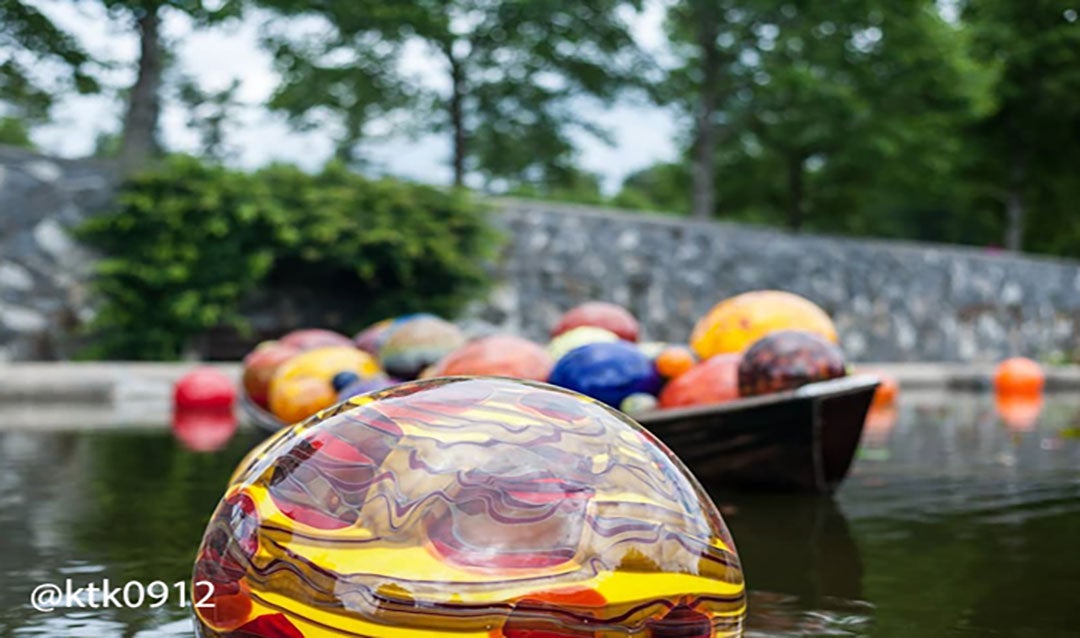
(786, 360)
(260, 365)
(673, 361)
(572, 339)
(638, 403)
(714, 380)
(311, 338)
(600, 314)
(370, 339)
(363, 386)
(468, 507)
(652, 349)
(608, 372)
(414, 343)
(498, 355)
(737, 322)
(1019, 375)
(304, 384)
(204, 388)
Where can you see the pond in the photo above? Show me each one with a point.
(960, 516)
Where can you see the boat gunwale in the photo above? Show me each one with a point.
(817, 391)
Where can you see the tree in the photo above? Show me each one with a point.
(849, 97)
(567, 185)
(706, 38)
(29, 40)
(513, 75)
(317, 85)
(660, 187)
(816, 113)
(1026, 144)
(139, 136)
(210, 113)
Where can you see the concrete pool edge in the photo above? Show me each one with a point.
(118, 380)
(81, 395)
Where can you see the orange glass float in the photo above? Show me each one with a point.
(1019, 375)
(887, 391)
(674, 361)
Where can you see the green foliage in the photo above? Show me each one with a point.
(943, 120)
(661, 187)
(202, 12)
(189, 242)
(28, 39)
(1026, 144)
(14, 132)
(568, 185)
(211, 114)
(847, 107)
(515, 74)
(881, 117)
(106, 144)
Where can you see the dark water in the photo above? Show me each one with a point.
(954, 521)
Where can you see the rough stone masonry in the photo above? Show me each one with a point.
(43, 271)
(892, 301)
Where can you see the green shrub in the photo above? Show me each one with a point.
(189, 242)
(15, 132)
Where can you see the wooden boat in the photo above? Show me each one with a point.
(803, 440)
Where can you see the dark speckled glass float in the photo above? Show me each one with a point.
(786, 360)
(468, 506)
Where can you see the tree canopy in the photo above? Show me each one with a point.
(943, 120)
(510, 76)
(28, 38)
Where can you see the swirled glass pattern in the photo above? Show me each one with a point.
(467, 506)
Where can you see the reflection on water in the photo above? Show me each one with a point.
(87, 506)
(960, 516)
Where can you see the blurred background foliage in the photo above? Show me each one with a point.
(189, 242)
(941, 120)
(938, 120)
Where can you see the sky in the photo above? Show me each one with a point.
(643, 134)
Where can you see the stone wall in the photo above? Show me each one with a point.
(892, 301)
(43, 272)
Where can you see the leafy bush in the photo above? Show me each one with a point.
(15, 132)
(189, 242)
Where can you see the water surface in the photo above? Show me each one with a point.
(961, 516)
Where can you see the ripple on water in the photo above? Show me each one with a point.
(772, 614)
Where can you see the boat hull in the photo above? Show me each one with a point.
(802, 441)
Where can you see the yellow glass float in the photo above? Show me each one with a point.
(467, 506)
